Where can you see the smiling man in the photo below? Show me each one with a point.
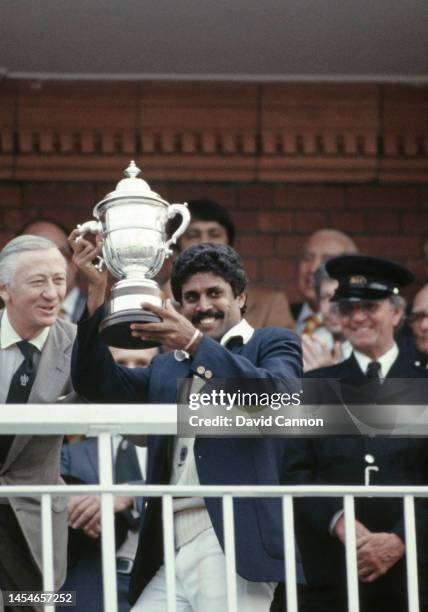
(210, 339)
(369, 308)
(419, 324)
(321, 245)
(35, 352)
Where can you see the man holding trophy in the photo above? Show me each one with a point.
(210, 339)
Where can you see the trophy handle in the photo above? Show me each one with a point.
(93, 227)
(177, 209)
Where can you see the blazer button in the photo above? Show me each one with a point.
(200, 370)
(208, 374)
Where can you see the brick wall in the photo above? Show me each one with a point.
(286, 159)
(272, 219)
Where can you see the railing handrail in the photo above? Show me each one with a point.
(88, 419)
(143, 490)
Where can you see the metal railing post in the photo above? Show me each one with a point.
(411, 554)
(229, 549)
(47, 547)
(351, 555)
(169, 551)
(289, 553)
(107, 524)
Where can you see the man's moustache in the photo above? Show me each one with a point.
(197, 318)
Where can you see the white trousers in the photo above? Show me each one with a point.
(200, 575)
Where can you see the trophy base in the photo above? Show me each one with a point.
(115, 329)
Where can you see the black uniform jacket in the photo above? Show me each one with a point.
(342, 460)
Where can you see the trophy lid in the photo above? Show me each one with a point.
(131, 186)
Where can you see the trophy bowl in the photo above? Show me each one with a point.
(132, 221)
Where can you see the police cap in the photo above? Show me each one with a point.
(367, 278)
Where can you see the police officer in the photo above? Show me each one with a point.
(369, 308)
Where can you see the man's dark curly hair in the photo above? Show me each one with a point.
(220, 259)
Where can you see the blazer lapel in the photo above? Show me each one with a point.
(54, 367)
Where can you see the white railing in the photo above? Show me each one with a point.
(107, 420)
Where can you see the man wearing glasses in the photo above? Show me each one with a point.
(369, 308)
(419, 325)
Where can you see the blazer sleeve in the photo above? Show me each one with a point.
(299, 468)
(95, 374)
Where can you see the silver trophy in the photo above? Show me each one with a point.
(132, 221)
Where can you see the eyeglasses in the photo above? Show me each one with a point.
(417, 317)
(368, 307)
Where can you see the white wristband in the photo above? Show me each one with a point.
(193, 339)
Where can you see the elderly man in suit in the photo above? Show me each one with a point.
(35, 353)
(211, 340)
(321, 245)
(366, 386)
(418, 319)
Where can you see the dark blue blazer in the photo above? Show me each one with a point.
(81, 460)
(270, 354)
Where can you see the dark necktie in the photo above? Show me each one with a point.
(22, 380)
(373, 373)
(127, 468)
(20, 387)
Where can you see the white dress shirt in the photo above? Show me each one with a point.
(385, 361)
(10, 355)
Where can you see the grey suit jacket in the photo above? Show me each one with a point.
(36, 459)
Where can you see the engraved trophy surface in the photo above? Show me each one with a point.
(132, 221)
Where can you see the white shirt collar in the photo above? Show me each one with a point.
(386, 360)
(242, 329)
(8, 335)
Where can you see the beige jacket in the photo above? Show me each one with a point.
(36, 459)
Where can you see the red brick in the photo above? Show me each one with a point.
(352, 221)
(290, 245)
(10, 195)
(255, 196)
(419, 269)
(415, 223)
(395, 247)
(382, 221)
(255, 244)
(67, 216)
(308, 221)
(275, 221)
(102, 189)
(251, 265)
(245, 221)
(382, 197)
(5, 237)
(424, 197)
(14, 219)
(183, 192)
(59, 194)
(278, 270)
(293, 196)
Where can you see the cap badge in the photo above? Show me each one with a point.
(358, 280)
